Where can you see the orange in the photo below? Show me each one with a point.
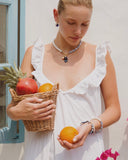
(45, 87)
(68, 133)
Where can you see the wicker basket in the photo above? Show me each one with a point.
(43, 125)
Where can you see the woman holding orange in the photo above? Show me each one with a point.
(84, 71)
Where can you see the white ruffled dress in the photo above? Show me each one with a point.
(81, 103)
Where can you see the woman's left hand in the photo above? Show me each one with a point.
(78, 139)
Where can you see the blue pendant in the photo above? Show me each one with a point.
(65, 59)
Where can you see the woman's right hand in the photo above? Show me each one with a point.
(31, 109)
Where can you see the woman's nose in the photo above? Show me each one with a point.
(78, 30)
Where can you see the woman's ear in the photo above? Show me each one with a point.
(55, 13)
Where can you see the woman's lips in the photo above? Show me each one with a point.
(75, 38)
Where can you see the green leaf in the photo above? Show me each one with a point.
(7, 69)
(2, 77)
(12, 70)
(11, 76)
(16, 68)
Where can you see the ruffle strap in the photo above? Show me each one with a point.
(100, 70)
(97, 75)
(37, 54)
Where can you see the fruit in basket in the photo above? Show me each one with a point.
(19, 81)
(68, 133)
(45, 87)
(26, 86)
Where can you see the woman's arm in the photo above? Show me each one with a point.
(26, 65)
(112, 111)
(109, 90)
(30, 108)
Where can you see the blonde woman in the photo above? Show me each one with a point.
(84, 72)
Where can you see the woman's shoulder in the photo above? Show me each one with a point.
(28, 53)
(100, 48)
(29, 50)
(105, 44)
(89, 47)
(26, 63)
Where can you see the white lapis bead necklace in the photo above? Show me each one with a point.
(65, 55)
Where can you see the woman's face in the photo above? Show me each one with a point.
(73, 23)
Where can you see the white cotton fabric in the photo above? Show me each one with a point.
(81, 103)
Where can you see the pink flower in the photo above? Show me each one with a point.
(115, 155)
(108, 153)
(104, 156)
(127, 119)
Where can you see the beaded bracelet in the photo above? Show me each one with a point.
(92, 126)
(101, 123)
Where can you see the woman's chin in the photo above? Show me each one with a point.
(74, 41)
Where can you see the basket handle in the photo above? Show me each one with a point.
(57, 86)
(13, 93)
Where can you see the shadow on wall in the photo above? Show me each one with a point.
(11, 151)
(124, 146)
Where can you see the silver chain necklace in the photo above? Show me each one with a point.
(65, 55)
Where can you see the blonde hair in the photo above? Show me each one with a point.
(62, 3)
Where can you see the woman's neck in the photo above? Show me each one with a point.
(63, 45)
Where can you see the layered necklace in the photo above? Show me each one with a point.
(65, 55)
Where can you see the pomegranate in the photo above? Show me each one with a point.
(26, 86)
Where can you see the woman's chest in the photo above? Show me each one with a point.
(79, 66)
(67, 74)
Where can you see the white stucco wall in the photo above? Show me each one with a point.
(109, 22)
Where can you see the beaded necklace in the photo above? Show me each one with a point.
(65, 55)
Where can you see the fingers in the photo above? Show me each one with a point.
(83, 133)
(43, 118)
(44, 104)
(62, 143)
(44, 110)
(34, 100)
(37, 109)
(77, 137)
(69, 146)
(42, 107)
(66, 144)
(45, 115)
(78, 140)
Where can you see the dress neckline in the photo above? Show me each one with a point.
(76, 85)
